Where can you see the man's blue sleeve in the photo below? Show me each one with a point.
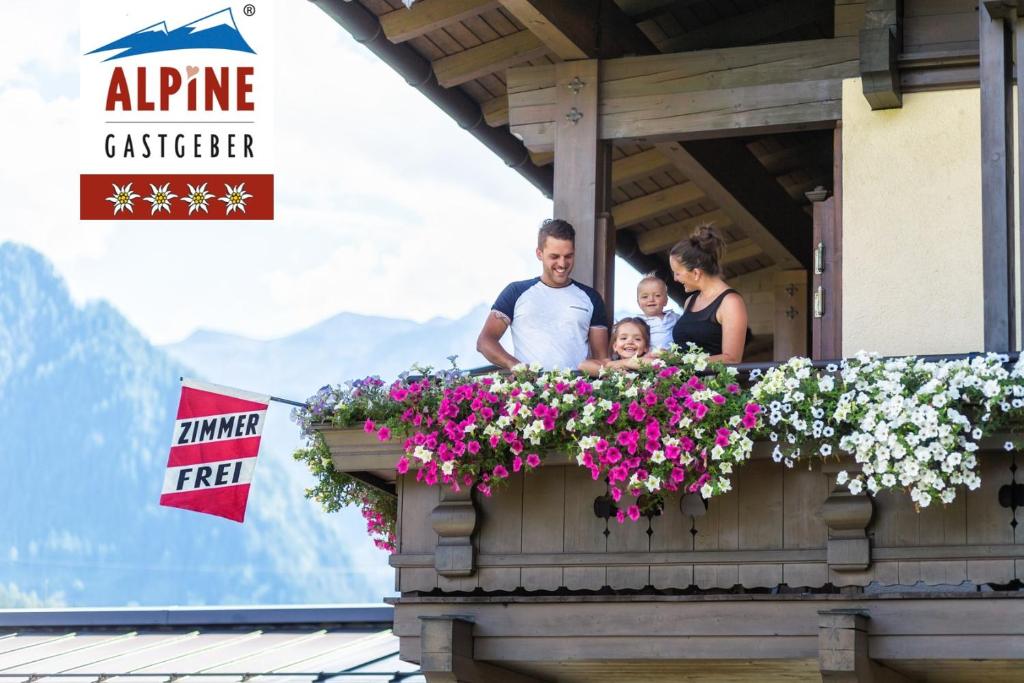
(599, 318)
(506, 301)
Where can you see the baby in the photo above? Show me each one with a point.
(630, 340)
(651, 296)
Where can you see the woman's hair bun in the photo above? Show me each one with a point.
(707, 239)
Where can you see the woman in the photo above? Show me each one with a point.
(714, 316)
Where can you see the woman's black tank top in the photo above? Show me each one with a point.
(701, 327)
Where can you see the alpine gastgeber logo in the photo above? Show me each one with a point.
(176, 122)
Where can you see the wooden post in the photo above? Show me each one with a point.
(790, 314)
(996, 186)
(446, 655)
(843, 650)
(826, 279)
(582, 166)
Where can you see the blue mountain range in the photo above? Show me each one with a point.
(87, 406)
(215, 31)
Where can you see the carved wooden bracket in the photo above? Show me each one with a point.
(847, 517)
(454, 520)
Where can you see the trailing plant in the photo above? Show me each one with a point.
(679, 424)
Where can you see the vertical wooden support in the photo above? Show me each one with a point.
(454, 520)
(790, 314)
(881, 41)
(582, 167)
(446, 654)
(997, 222)
(826, 278)
(843, 649)
(1016, 325)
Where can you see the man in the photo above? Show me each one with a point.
(555, 321)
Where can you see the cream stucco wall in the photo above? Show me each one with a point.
(912, 224)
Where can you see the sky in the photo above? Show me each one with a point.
(384, 206)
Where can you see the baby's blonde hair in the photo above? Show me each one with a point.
(651, 277)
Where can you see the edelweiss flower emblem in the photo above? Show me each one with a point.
(122, 198)
(161, 198)
(235, 197)
(197, 198)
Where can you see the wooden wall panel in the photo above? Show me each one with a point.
(500, 531)
(583, 530)
(417, 533)
(543, 524)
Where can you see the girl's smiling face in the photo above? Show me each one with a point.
(629, 341)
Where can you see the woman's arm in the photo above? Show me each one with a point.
(732, 316)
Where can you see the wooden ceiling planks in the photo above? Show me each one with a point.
(475, 24)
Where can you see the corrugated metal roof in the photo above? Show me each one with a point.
(202, 645)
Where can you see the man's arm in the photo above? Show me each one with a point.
(598, 338)
(489, 341)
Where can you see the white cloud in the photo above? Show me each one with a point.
(383, 203)
(13, 597)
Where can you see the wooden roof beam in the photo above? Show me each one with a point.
(735, 180)
(661, 238)
(655, 204)
(429, 15)
(708, 93)
(485, 59)
(643, 10)
(752, 27)
(638, 166)
(581, 29)
(496, 111)
(740, 250)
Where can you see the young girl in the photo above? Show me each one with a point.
(630, 340)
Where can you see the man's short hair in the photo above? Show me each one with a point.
(557, 228)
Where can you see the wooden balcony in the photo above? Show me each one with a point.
(754, 586)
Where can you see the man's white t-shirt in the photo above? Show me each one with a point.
(551, 325)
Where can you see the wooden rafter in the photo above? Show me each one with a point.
(655, 204)
(638, 166)
(485, 59)
(733, 178)
(642, 10)
(581, 29)
(658, 239)
(765, 88)
(495, 111)
(429, 15)
(740, 250)
(749, 28)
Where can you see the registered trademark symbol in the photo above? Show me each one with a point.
(249, 9)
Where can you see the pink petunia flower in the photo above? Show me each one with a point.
(402, 465)
(383, 434)
(500, 472)
(517, 464)
(533, 460)
(634, 512)
(368, 426)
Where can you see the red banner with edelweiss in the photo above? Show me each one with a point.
(213, 452)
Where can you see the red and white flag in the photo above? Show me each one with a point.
(214, 448)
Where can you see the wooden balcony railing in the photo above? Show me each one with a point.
(779, 529)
